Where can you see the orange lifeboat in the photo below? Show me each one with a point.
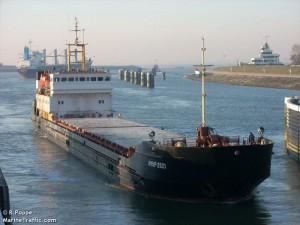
(44, 80)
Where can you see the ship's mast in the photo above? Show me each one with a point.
(266, 38)
(77, 44)
(30, 41)
(203, 84)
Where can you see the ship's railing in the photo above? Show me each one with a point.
(89, 71)
(222, 141)
(179, 141)
(257, 141)
(87, 114)
(189, 142)
(182, 141)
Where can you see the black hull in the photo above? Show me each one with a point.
(215, 174)
(201, 191)
(218, 174)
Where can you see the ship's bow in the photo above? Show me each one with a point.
(215, 174)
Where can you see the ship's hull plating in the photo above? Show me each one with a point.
(218, 174)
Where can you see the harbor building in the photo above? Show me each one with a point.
(266, 57)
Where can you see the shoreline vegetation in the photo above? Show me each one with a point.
(282, 77)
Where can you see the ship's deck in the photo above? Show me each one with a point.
(123, 132)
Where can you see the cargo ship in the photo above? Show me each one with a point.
(74, 110)
(292, 127)
(32, 61)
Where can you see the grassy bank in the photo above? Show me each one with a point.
(272, 78)
(262, 69)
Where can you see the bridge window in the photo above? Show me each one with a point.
(101, 101)
(56, 79)
(82, 79)
(87, 79)
(63, 79)
(93, 78)
(107, 78)
(71, 79)
(100, 78)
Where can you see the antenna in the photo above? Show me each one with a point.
(266, 38)
(203, 84)
(30, 41)
(76, 30)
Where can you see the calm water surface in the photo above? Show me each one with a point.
(53, 184)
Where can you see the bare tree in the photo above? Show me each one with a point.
(295, 56)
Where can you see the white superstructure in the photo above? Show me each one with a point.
(67, 95)
(31, 59)
(266, 57)
(75, 93)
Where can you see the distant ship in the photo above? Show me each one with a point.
(155, 69)
(74, 109)
(292, 127)
(266, 56)
(30, 62)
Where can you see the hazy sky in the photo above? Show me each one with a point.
(141, 32)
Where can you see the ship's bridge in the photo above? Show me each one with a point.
(74, 82)
(87, 82)
(73, 94)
